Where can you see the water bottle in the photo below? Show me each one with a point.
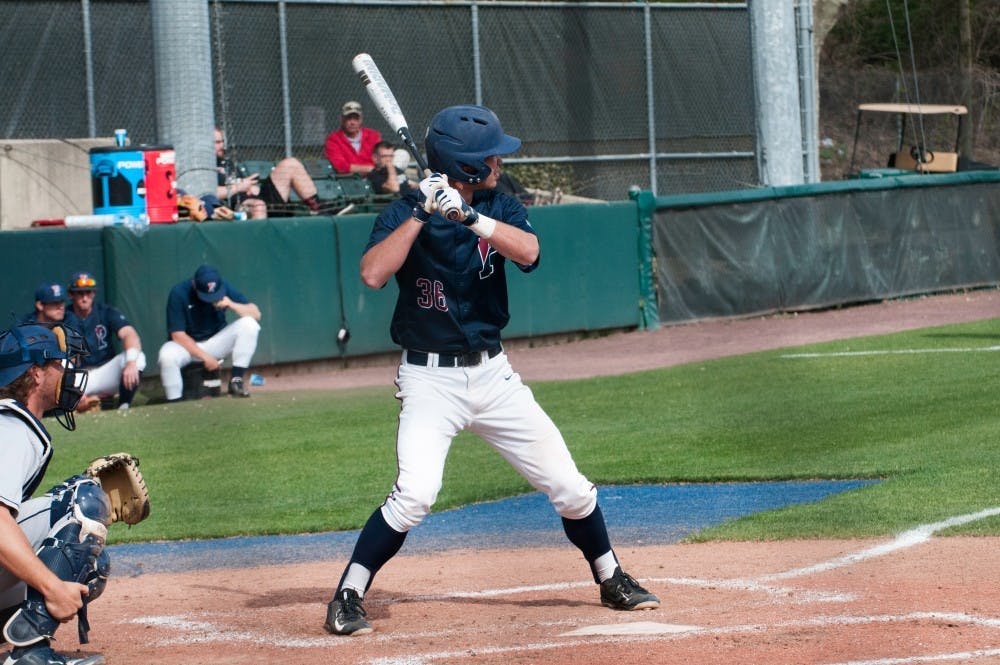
(121, 136)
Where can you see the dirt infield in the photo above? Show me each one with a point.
(536, 606)
(912, 599)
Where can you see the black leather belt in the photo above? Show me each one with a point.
(469, 359)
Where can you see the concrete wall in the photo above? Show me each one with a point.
(44, 179)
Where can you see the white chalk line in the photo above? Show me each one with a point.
(890, 352)
(914, 536)
(186, 631)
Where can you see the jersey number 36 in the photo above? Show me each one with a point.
(431, 294)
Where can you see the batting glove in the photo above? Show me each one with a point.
(428, 186)
(453, 206)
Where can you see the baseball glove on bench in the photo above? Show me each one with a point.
(121, 480)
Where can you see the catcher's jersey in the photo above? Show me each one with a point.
(452, 286)
(188, 313)
(26, 451)
(100, 329)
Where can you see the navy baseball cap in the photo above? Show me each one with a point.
(208, 284)
(50, 292)
(82, 281)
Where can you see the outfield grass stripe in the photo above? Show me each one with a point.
(890, 352)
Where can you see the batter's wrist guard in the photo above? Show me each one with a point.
(483, 226)
(471, 217)
(420, 214)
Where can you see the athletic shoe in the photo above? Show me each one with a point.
(346, 616)
(622, 592)
(237, 387)
(42, 654)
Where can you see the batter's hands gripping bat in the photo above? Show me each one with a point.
(385, 102)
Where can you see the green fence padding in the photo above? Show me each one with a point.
(31, 257)
(910, 179)
(287, 267)
(842, 243)
(368, 310)
(303, 273)
(587, 276)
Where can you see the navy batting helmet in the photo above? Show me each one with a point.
(460, 138)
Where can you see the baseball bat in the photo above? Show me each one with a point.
(381, 94)
(385, 102)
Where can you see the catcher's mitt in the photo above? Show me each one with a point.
(121, 480)
(193, 206)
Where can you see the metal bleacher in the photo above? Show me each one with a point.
(336, 190)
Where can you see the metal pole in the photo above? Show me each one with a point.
(88, 60)
(809, 92)
(476, 63)
(286, 97)
(772, 38)
(185, 114)
(650, 106)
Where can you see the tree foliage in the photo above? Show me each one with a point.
(869, 31)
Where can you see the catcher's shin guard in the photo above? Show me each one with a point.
(72, 553)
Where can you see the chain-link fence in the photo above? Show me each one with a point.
(604, 95)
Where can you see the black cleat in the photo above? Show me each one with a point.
(42, 654)
(237, 388)
(622, 592)
(346, 616)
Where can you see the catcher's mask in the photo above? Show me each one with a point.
(460, 138)
(37, 344)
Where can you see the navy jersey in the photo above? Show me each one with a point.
(187, 312)
(452, 286)
(100, 329)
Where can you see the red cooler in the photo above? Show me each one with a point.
(160, 183)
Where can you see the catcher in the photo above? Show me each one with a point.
(52, 559)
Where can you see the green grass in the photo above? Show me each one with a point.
(926, 424)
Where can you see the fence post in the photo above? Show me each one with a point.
(649, 314)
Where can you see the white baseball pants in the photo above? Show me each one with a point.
(491, 401)
(239, 338)
(106, 379)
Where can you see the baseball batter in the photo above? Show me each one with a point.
(454, 374)
(52, 559)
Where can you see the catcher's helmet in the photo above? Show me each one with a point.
(24, 346)
(460, 138)
(33, 344)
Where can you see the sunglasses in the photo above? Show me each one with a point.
(84, 282)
